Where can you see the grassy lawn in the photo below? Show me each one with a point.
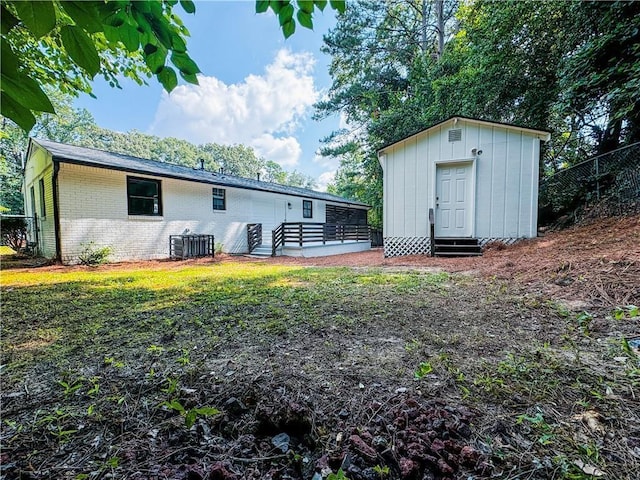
(182, 371)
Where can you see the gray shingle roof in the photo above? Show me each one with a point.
(115, 161)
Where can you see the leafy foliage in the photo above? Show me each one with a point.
(13, 231)
(92, 255)
(64, 45)
(567, 67)
(287, 12)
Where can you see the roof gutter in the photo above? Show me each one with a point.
(56, 208)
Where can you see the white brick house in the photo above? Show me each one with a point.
(81, 195)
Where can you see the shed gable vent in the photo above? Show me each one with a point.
(455, 135)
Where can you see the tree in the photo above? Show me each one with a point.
(287, 12)
(64, 45)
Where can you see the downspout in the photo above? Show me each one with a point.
(56, 209)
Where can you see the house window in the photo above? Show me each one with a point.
(219, 199)
(32, 192)
(144, 196)
(307, 209)
(43, 206)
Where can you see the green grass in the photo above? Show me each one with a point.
(85, 314)
(4, 250)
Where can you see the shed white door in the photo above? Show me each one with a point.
(454, 200)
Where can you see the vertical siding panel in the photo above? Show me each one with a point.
(410, 188)
(398, 191)
(526, 187)
(484, 169)
(423, 187)
(498, 182)
(512, 184)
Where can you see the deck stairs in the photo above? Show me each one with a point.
(263, 250)
(457, 247)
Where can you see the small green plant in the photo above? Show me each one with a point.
(412, 345)
(218, 248)
(70, 387)
(424, 368)
(382, 472)
(339, 475)
(192, 414)
(92, 255)
(113, 362)
(630, 311)
(540, 425)
(155, 349)
(184, 358)
(172, 386)
(584, 320)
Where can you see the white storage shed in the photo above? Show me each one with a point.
(478, 178)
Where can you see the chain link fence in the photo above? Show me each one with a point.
(611, 179)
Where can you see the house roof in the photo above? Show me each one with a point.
(542, 134)
(65, 153)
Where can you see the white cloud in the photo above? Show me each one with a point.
(325, 179)
(263, 111)
(285, 151)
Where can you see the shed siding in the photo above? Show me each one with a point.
(506, 179)
(93, 207)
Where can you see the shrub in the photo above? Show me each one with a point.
(14, 232)
(92, 255)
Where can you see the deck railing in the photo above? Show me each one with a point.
(301, 233)
(254, 236)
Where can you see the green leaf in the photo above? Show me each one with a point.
(84, 14)
(320, 4)
(142, 6)
(193, 79)
(14, 111)
(26, 92)
(168, 78)
(115, 18)
(262, 6)
(305, 19)
(184, 63)
(155, 57)
(188, 6)
(338, 5)
(130, 37)
(190, 418)
(277, 5)
(39, 17)
(207, 411)
(80, 48)
(162, 30)
(286, 14)
(289, 28)
(7, 20)
(306, 6)
(177, 43)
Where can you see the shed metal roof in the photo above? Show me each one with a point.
(65, 153)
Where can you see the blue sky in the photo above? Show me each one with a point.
(256, 88)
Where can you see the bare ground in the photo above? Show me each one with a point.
(493, 374)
